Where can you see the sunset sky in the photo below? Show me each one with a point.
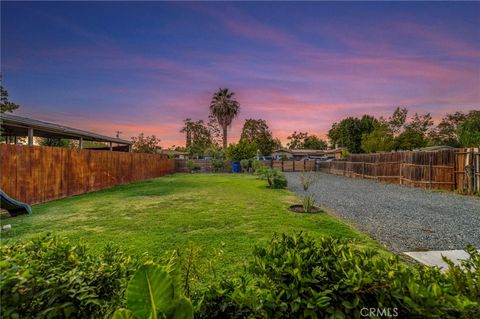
(144, 67)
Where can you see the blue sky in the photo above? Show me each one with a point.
(145, 66)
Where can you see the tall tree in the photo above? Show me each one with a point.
(201, 138)
(225, 108)
(379, 140)
(145, 144)
(397, 120)
(258, 133)
(348, 133)
(187, 129)
(215, 130)
(302, 140)
(469, 130)
(446, 131)
(5, 104)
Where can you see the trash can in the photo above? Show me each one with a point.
(236, 167)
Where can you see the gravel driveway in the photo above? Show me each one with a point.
(400, 217)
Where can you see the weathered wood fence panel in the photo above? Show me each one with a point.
(445, 169)
(205, 166)
(40, 174)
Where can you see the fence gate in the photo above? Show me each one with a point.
(467, 171)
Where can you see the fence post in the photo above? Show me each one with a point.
(293, 162)
(282, 164)
(363, 169)
(430, 169)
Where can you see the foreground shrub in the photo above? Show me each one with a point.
(297, 277)
(154, 292)
(51, 278)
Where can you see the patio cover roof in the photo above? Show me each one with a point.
(14, 125)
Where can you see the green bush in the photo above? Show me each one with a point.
(217, 164)
(192, 166)
(241, 150)
(50, 278)
(256, 166)
(245, 164)
(155, 292)
(274, 178)
(297, 277)
(279, 180)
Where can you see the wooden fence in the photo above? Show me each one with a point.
(205, 166)
(445, 169)
(291, 165)
(40, 174)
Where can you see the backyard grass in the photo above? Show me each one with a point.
(213, 211)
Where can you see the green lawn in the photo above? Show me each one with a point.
(213, 211)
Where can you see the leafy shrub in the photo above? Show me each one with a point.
(154, 292)
(297, 277)
(217, 164)
(192, 166)
(48, 277)
(245, 164)
(242, 150)
(279, 180)
(308, 179)
(256, 166)
(274, 178)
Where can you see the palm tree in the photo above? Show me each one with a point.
(225, 108)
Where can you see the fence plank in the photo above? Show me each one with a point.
(35, 174)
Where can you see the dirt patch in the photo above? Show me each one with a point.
(299, 209)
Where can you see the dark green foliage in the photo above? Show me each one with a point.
(245, 164)
(469, 130)
(257, 132)
(5, 104)
(51, 278)
(348, 133)
(217, 164)
(56, 142)
(241, 150)
(192, 166)
(298, 277)
(274, 178)
(302, 140)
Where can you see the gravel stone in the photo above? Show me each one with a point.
(400, 217)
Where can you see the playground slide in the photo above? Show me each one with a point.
(14, 207)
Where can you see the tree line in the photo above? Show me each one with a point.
(368, 134)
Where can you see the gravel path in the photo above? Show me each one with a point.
(400, 217)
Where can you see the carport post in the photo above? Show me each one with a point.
(80, 143)
(111, 146)
(30, 136)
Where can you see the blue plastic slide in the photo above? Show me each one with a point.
(14, 207)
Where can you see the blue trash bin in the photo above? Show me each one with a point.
(236, 167)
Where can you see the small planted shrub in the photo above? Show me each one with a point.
(245, 164)
(308, 204)
(52, 278)
(154, 292)
(308, 179)
(192, 166)
(217, 164)
(274, 178)
(298, 277)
